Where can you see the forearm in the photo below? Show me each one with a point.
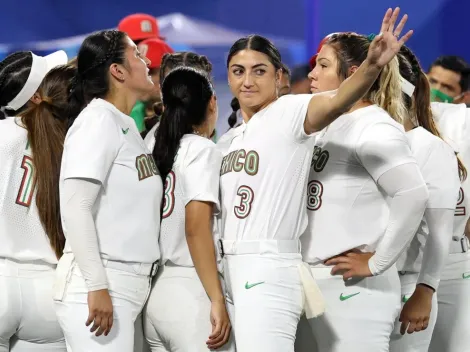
(202, 250)
(440, 224)
(323, 109)
(79, 226)
(409, 195)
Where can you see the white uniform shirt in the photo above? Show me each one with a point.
(150, 137)
(223, 144)
(264, 174)
(453, 121)
(438, 165)
(22, 236)
(346, 207)
(104, 145)
(194, 177)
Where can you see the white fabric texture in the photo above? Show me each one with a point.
(77, 214)
(407, 190)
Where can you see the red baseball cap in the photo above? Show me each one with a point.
(154, 49)
(140, 26)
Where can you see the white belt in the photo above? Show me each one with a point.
(143, 269)
(459, 246)
(314, 303)
(259, 246)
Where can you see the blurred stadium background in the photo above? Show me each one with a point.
(209, 27)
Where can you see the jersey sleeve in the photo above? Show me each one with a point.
(201, 175)
(290, 112)
(442, 177)
(91, 146)
(382, 147)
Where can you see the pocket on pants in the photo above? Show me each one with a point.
(62, 276)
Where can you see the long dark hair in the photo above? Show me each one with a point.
(97, 52)
(169, 62)
(47, 124)
(232, 119)
(14, 72)
(186, 93)
(420, 106)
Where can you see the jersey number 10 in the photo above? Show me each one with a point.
(28, 183)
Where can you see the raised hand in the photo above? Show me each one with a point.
(387, 44)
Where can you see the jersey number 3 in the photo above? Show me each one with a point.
(28, 183)
(314, 193)
(247, 196)
(169, 199)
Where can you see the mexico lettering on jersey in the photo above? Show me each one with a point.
(314, 187)
(264, 172)
(238, 161)
(146, 166)
(346, 207)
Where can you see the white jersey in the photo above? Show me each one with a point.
(223, 144)
(194, 176)
(149, 139)
(264, 174)
(453, 121)
(22, 236)
(438, 165)
(104, 145)
(346, 207)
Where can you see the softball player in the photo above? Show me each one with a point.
(263, 180)
(27, 263)
(169, 62)
(450, 332)
(421, 264)
(31, 240)
(363, 176)
(108, 184)
(187, 291)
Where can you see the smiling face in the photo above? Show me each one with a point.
(253, 79)
(324, 76)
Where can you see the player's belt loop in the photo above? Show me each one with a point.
(154, 269)
(221, 248)
(464, 244)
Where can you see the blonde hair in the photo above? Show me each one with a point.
(388, 94)
(351, 50)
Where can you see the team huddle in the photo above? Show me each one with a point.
(324, 222)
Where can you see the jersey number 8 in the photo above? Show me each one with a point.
(314, 193)
(169, 198)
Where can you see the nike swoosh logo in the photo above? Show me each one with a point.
(405, 299)
(344, 298)
(248, 286)
(466, 276)
(125, 130)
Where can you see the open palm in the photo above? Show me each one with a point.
(387, 44)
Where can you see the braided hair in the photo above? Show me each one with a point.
(98, 51)
(419, 106)
(172, 60)
(14, 72)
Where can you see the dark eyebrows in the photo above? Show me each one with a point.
(254, 66)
